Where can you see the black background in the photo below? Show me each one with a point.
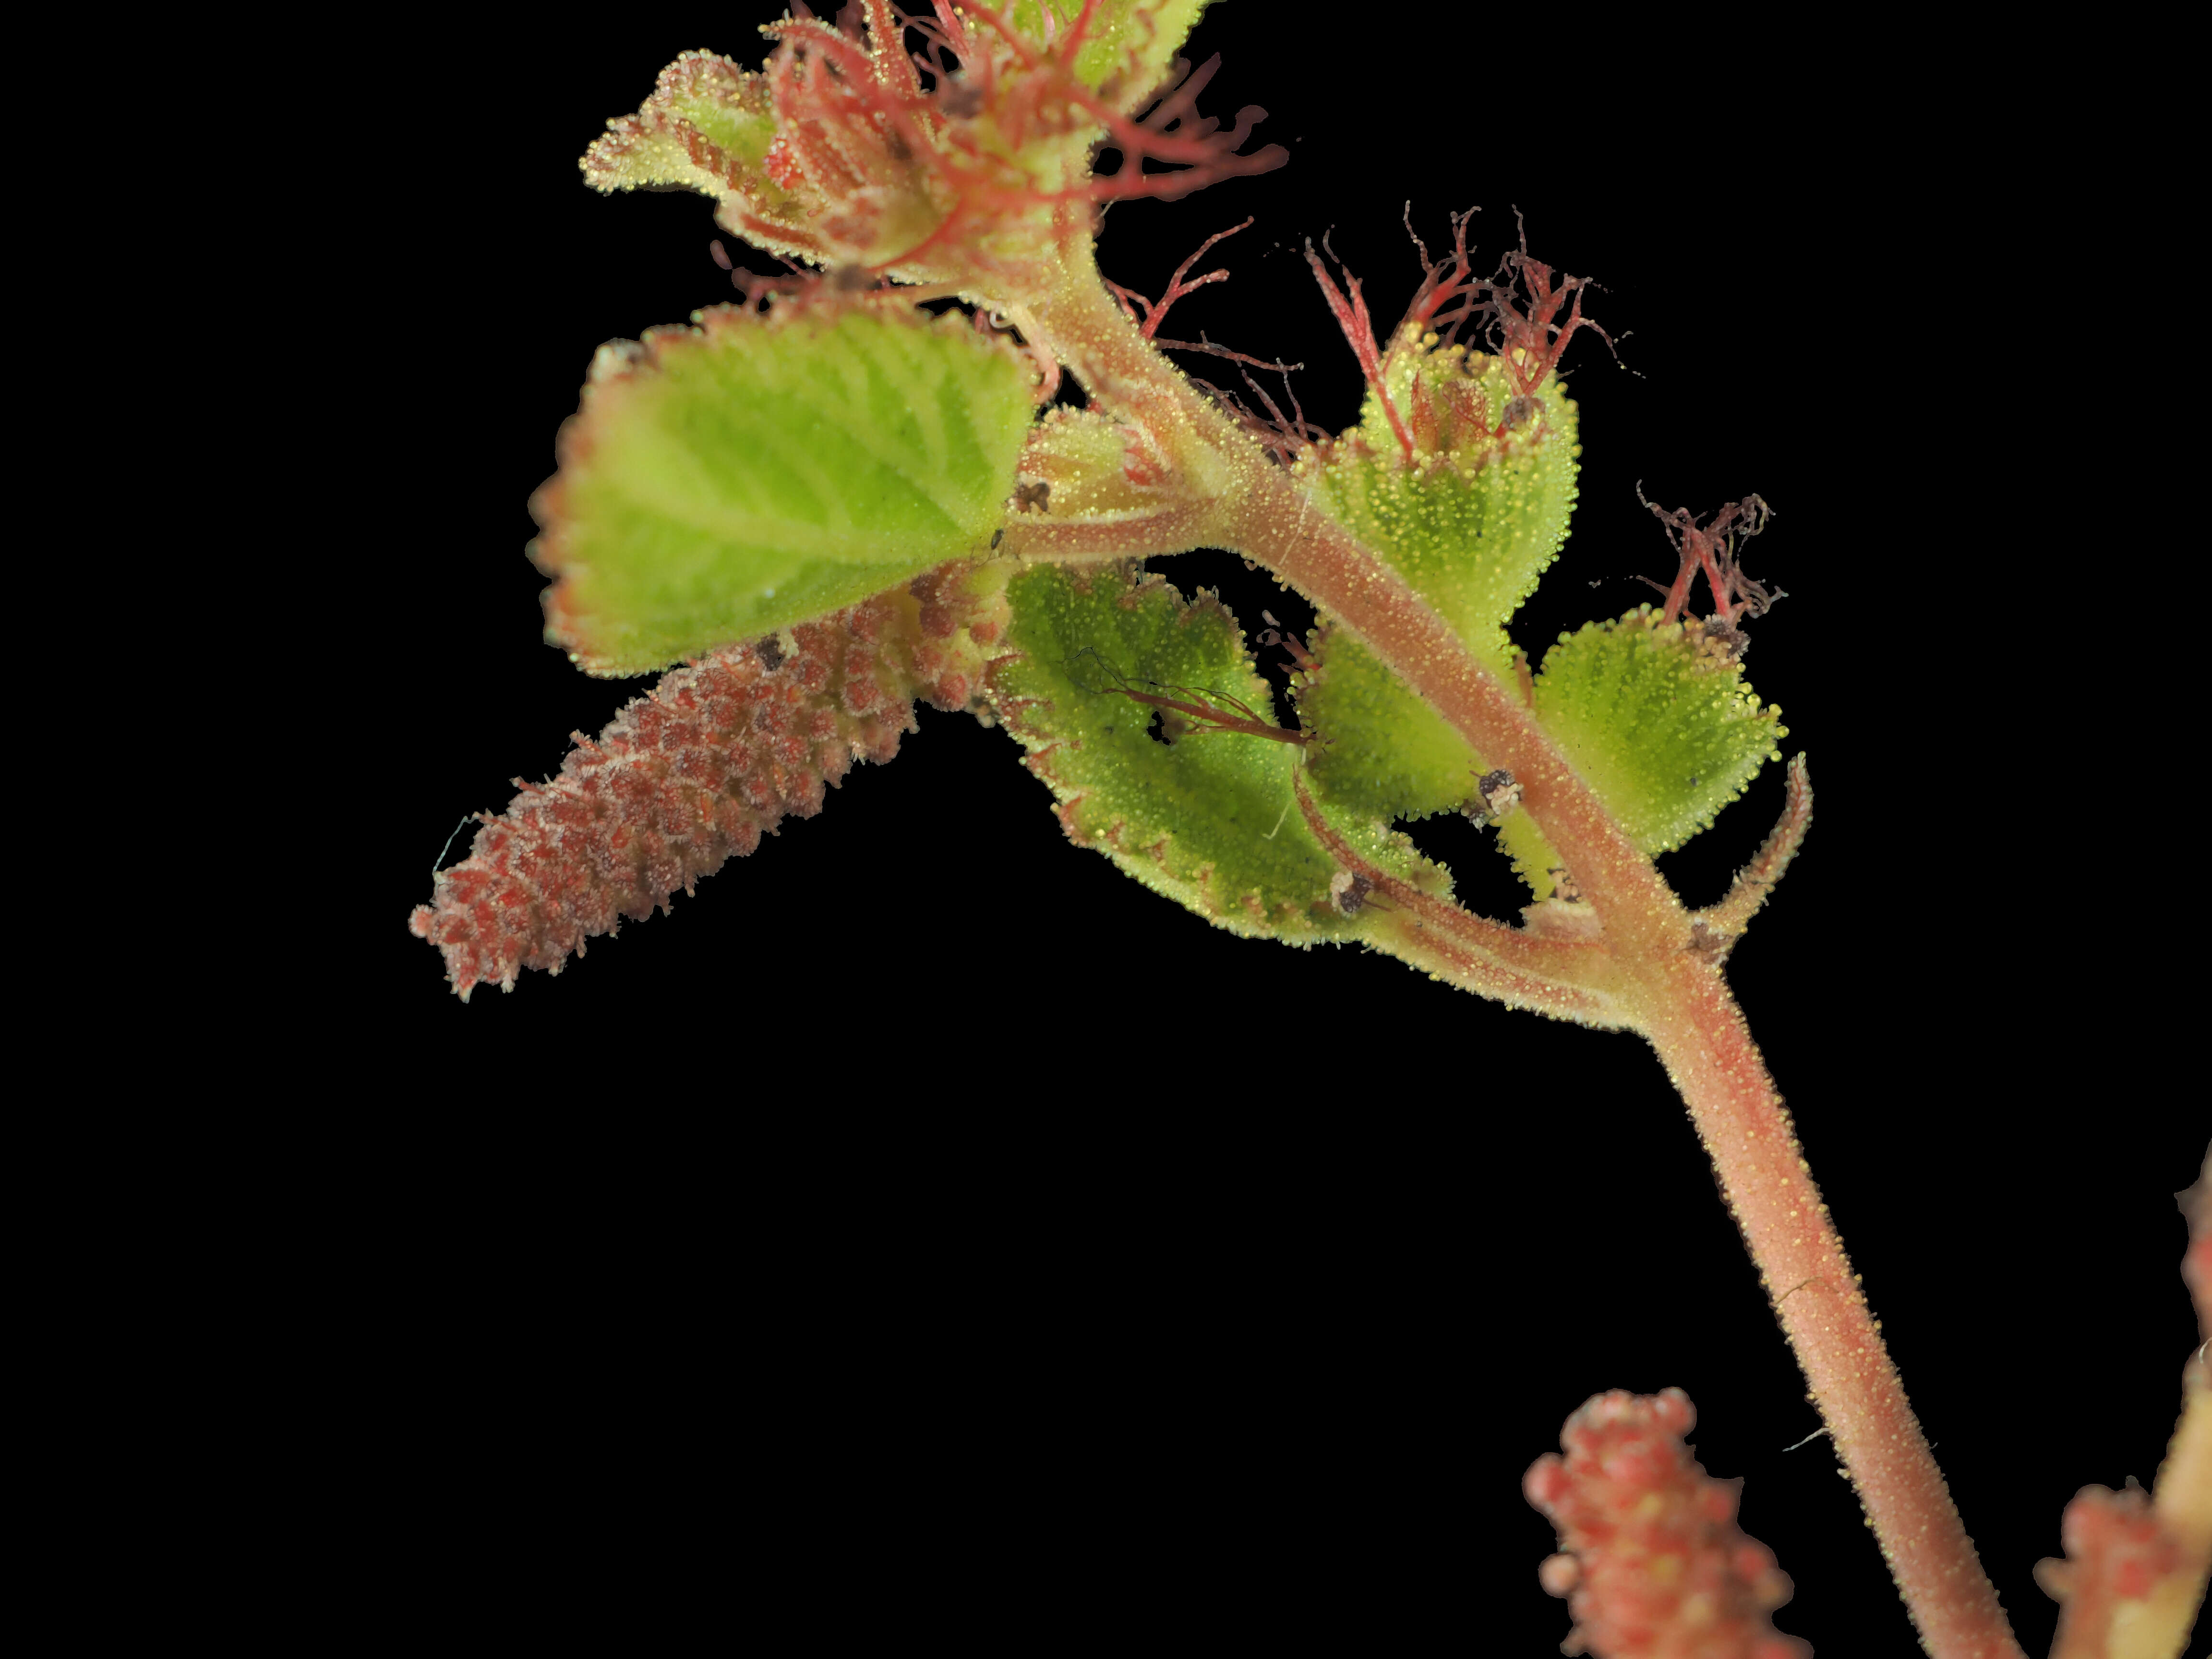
(924, 1230)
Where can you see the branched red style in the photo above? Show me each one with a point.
(1350, 310)
(1156, 313)
(1527, 332)
(1521, 303)
(1451, 294)
(690, 775)
(1284, 437)
(1205, 153)
(1712, 549)
(1653, 1565)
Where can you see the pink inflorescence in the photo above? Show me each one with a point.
(691, 774)
(2115, 1551)
(1653, 1564)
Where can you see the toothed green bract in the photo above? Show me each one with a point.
(1471, 522)
(1657, 717)
(1210, 819)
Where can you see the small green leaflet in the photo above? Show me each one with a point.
(707, 127)
(702, 103)
(1658, 721)
(721, 481)
(1209, 820)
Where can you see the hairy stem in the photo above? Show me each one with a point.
(1507, 964)
(1675, 996)
(1708, 1052)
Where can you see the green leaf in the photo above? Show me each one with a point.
(722, 481)
(706, 127)
(1130, 45)
(1209, 819)
(1657, 719)
(702, 95)
(1388, 755)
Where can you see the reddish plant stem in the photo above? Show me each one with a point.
(1680, 1001)
(1576, 974)
(1686, 1009)
(1694, 1023)
(1173, 529)
(1405, 936)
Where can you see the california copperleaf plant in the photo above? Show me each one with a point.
(927, 458)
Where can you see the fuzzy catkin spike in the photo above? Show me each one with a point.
(693, 773)
(1653, 1564)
